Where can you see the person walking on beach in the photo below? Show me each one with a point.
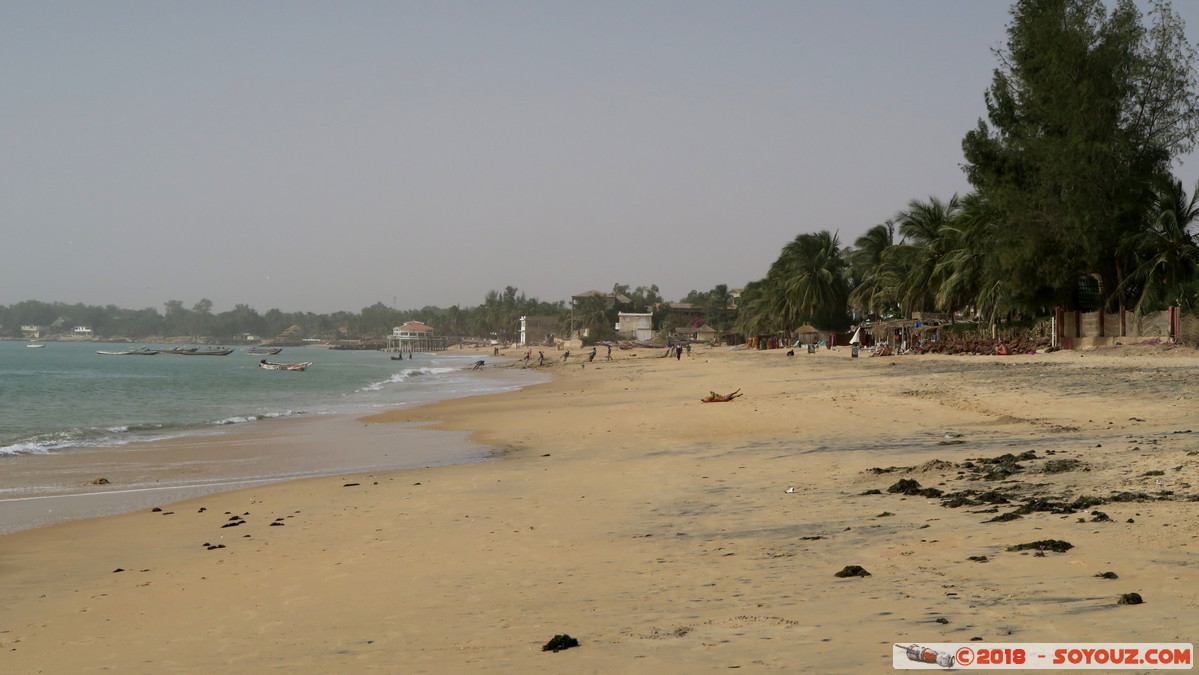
(609, 352)
(688, 350)
(591, 356)
(540, 358)
(566, 356)
(678, 353)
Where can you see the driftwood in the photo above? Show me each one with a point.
(713, 397)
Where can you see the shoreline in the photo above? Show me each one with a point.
(106, 481)
(666, 534)
(90, 481)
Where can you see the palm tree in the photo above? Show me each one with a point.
(591, 314)
(756, 315)
(1166, 253)
(870, 295)
(809, 281)
(926, 239)
(963, 269)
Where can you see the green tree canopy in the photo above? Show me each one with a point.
(1084, 114)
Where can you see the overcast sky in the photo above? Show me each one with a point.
(324, 156)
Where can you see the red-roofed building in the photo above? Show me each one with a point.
(414, 336)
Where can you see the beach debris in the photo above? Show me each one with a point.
(1107, 575)
(884, 514)
(1060, 465)
(942, 620)
(713, 397)
(1130, 599)
(121, 569)
(790, 490)
(1055, 545)
(852, 571)
(908, 486)
(351, 484)
(156, 509)
(979, 558)
(559, 642)
(98, 481)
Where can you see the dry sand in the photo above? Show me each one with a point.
(661, 532)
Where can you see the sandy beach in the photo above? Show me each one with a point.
(668, 535)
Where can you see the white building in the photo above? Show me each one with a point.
(635, 326)
(414, 336)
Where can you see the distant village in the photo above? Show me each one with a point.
(508, 317)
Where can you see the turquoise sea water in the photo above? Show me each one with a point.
(66, 396)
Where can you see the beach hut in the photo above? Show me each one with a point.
(807, 334)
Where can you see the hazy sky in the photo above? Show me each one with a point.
(324, 156)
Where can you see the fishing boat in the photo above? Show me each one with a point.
(263, 351)
(211, 351)
(269, 365)
(130, 352)
(35, 345)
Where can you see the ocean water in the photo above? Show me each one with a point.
(168, 427)
(66, 396)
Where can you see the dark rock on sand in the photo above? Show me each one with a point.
(1130, 599)
(1130, 497)
(559, 642)
(1055, 545)
(1004, 517)
(1107, 575)
(907, 486)
(1060, 465)
(852, 571)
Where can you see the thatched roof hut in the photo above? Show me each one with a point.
(807, 334)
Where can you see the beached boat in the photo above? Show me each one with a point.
(263, 351)
(283, 366)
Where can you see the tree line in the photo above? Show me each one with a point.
(497, 317)
(1073, 200)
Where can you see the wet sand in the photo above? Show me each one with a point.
(665, 534)
(37, 490)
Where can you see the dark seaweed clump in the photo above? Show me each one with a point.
(559, 642)
(1055, 545)
(907, 486)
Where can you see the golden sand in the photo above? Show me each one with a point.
(665, 534)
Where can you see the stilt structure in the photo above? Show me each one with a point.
(414, 336)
